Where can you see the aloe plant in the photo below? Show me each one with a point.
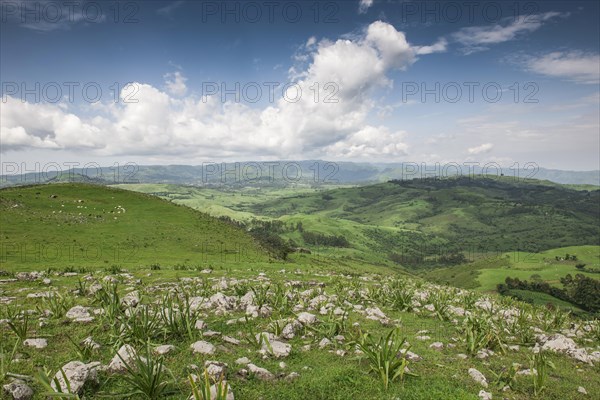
(384, 356)
(58, 304)
(46, 379)
(146, 376)
(539, 363)
(201, 388)
(20, 326)
(481, 333)
(6, 358)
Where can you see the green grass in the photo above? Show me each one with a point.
(89, 226)
(541, 299)
(170, 233)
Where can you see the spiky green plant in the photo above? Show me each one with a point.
(108, 298)
(57, 304)
(331, 325)
(384, 356)
(506, 377)
(6, 358)
(85, 351)
(141, 324)
(46, 378)
(481, 333)
(261, 295)
(201, 388)
(539, 363)
(20, 326)
(440, 300)
(177, 317)
(146, 377)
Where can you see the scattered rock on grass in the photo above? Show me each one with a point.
(36, 343)
(260, 373)
(203, 347)
(77, 376)
(18, 390)
(478, 377)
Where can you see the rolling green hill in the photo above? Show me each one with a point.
(461, 214)
(78, 225)
(470, 233)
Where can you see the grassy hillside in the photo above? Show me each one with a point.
(242, 300)
(468, 214)
(78, 225)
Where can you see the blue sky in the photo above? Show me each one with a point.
(373, 57)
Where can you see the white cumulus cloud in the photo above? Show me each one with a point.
(175, 83)
(576, 66)
(174, 123)
(483, 148)
(364, 5)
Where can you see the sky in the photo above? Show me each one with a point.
(187, 82)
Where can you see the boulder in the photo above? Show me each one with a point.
(260, 373)
(478, 377)
(216, 370)
(203, 347)
(307, 318)
(164, 349)
(77, 376)
(36, 343)
(18, 390)
(277, 349)
(125, 355)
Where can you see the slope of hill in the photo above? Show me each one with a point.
(81, 225)
(462, 214)
(470, 233)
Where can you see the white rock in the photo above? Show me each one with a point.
(200, 325)
(478, 377)
(36, 343)
(292, 376)
(260, 373)
(127, 355)
(559, 343)
(77, 374)
(410, 356)
(437, 346)
(164, 349)
(131, 299)
(324, 343)
(289, 331)
(213, 391)
(483, 395)
(203, 347)
(527, 372)
(231, 340)
(18, 391)
(216, 370)
(79, 314)
(242, 361)
(582, 390)
(375, 313)
(307, 318)
(89, 342)
(280, 349)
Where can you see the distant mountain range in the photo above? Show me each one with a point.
(285, 173)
